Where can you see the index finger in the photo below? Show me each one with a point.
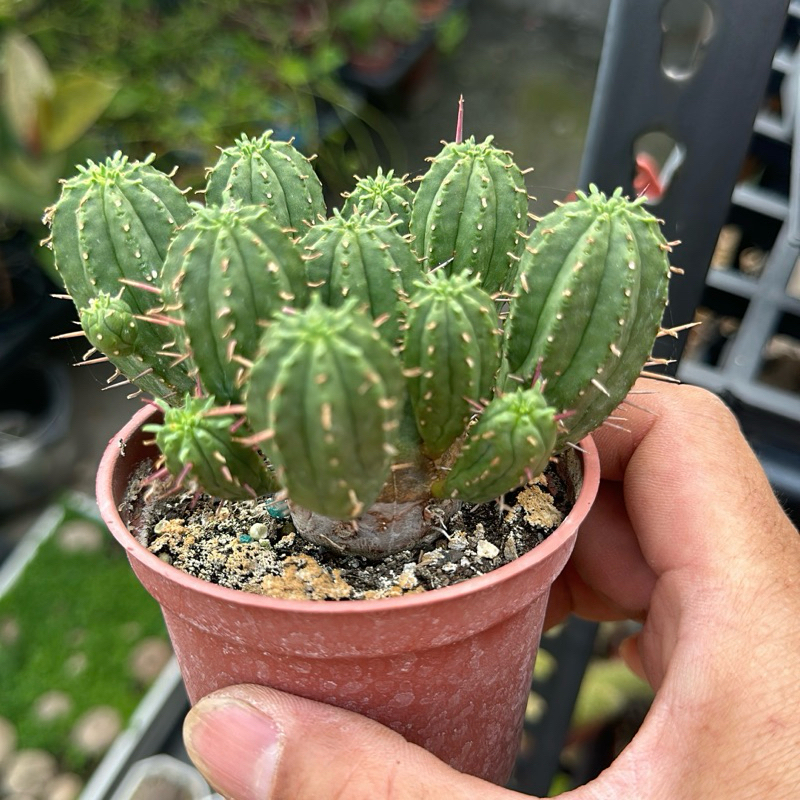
(654, 407)
(694, 490)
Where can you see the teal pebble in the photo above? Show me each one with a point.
(277, 509)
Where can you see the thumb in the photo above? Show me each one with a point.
(255, 743)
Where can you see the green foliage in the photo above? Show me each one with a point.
(451, 30)
(400, 381)
(80, 80)
(43, 116)
(607, 688)
(362, 23)
(175, 62)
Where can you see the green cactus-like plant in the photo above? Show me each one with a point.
(228, 271)
(387, 194)
(595, 271)
(195, 437)
(110, 232)
(451, 353)
(510, 443)
(469, 212)
(364, 374)
(330, 390)
(268, 172)
(362, 257)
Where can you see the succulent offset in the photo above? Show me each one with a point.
(378, 366)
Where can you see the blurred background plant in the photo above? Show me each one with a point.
(176, 77)
(44, 116)
(189, 72)
(374, 29)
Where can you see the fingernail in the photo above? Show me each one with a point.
(235, 745)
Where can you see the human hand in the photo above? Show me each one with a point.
(685, 536)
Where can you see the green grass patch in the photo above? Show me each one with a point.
(78, 616)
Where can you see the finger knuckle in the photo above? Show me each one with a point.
(708, 406)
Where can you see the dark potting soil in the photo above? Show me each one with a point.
(242, 546)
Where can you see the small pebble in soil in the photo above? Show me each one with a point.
(486, 549)
(258, 531)
(510, 549)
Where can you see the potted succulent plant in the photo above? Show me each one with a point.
(336, 380)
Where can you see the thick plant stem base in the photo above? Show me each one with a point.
(384, 529)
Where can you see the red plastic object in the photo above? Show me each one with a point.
(449, 669)
(647, 180)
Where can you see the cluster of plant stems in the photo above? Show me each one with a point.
(375, 365)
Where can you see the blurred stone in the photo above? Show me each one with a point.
(76, 637)
(752, 261)
(132, 630)
(728, 242)
(29, 771)
(65, 786)
(94, 732)
(52, 705)
(9, 631)
(80, 536)
(161, 787)
(76, 664)
(8, 740)
(148, 658)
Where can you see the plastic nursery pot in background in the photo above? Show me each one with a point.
(449, 669)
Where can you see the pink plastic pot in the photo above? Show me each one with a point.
(448, 669)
